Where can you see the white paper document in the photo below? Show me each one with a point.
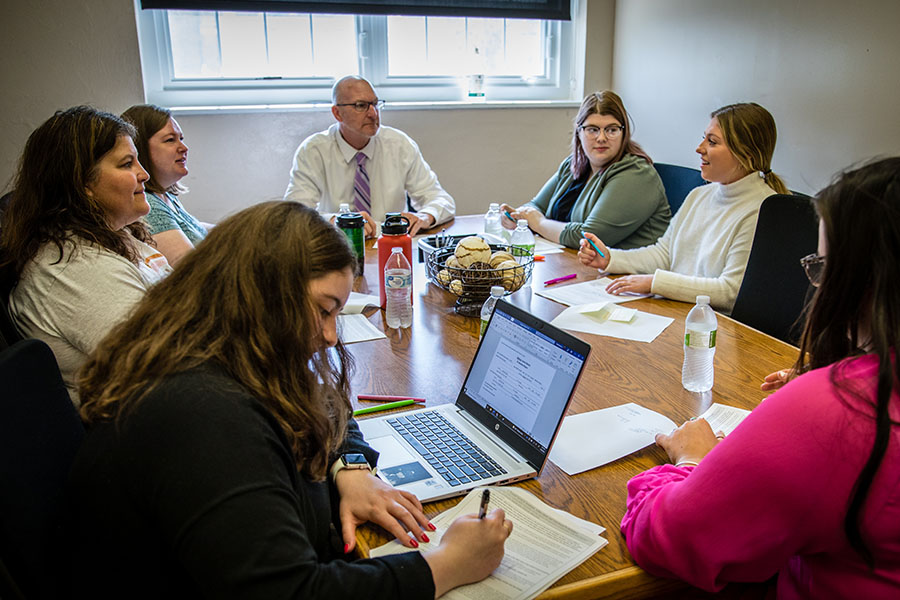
(592, 318)
(357, 303)
(357, 328)
(591, 439)
(544, 246)
(545, 544)
(724, 418)
(595, 438)
(585, 292)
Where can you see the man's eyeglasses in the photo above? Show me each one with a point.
(814, 265)
(363, 105)
(611, 131)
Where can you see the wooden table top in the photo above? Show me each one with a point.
(431, 358)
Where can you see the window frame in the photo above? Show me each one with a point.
(161, 88)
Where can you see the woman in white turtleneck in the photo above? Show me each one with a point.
(706, 247)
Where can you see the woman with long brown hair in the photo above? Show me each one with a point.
(705, 249)
(221, 459)
(806, 487)
(607, 186)
(74, 256)
(162, 151)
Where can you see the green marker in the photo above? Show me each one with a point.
(380, 407)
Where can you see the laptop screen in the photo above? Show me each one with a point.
(522, 379)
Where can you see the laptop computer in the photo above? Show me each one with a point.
(505, 418)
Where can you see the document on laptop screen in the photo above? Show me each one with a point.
(523, 377)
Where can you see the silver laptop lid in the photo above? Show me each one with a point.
(522, 379)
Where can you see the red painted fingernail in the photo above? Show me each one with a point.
(346, 548)
(414, 543)
(432, 527)
(425, 538)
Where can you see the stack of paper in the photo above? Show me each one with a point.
(545, 544)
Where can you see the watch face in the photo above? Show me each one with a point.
(356, 460)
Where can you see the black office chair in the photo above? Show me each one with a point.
(40, 432)
(775, 287)
(9, 335)
(678, 181)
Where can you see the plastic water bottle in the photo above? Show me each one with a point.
(699, 347)
(398, 288)
(522, 241)
(487, 309)
(492, 220)
(344, 209)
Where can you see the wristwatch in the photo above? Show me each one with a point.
(350, 461)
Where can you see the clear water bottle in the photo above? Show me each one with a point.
(699, 347)
(344, 209)
(492, 220)
(398, 289)
(487, 309)
(522, 241)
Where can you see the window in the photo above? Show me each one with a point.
(218, 58)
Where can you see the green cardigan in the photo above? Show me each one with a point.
(625, 205)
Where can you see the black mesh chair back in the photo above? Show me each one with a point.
(775, 287)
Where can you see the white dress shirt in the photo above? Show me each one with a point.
(324, 169)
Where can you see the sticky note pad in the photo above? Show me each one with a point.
(609, 311)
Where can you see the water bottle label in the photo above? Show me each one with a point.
(700, 339)
(397, 281)
(518, 249)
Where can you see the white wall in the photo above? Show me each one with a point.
(57, 53)
(480, 156)
(826, 69)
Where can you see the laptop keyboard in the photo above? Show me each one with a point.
(446, 449)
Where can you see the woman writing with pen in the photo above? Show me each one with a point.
(221, 458)
(706, 247)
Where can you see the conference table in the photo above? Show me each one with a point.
(430, 359)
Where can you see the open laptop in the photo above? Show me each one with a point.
(505, 418)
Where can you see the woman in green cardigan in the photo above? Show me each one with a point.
(607, 186)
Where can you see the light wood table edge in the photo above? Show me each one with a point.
(630, 582)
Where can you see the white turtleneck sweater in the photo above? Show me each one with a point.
(706, 247)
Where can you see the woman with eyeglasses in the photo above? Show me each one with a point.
(806, 486)
(705, 249)
(607, 186)
(162, 151)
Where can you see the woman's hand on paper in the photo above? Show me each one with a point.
(690, 442)
(588, 256)
(470, 550)
(365, 498)
(631, 284)
(775, 380)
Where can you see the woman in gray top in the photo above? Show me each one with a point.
(607, 186)
(162, 151)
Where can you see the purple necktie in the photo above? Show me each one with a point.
(362, 197)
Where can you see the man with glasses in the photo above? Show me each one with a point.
(372, 168)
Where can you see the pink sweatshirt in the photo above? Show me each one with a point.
(772, 497)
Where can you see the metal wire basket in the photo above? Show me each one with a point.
(473, 285)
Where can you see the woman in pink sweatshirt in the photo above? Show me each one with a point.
(808, 486)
